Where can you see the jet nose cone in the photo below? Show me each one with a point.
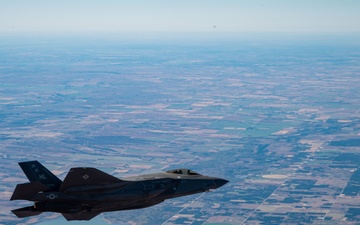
(220, 182)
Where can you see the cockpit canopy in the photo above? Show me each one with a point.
(183, 171)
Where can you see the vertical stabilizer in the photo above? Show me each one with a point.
(36, 172)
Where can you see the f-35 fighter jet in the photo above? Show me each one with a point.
(87, 192)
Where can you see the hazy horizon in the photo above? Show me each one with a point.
(182, 16)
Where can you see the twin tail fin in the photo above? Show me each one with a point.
(36, 172)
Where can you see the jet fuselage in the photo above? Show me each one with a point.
(87, 192)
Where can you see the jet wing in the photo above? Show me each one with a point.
(79, 216)
(87, 176)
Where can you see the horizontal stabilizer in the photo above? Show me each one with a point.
(87, 176)
(27, 190)
(79, 216)
(26, 212)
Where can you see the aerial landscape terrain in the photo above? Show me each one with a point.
(278, 115)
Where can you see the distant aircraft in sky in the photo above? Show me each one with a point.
(86, 192)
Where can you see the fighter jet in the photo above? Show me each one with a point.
(86, 192)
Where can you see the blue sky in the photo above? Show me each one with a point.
(181, 15)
